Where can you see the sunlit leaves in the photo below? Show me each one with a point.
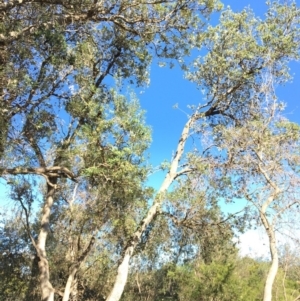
(241, 55)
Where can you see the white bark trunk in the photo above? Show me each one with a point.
(74, 290)
(271, 235)
(274, 265)
(273, 248)
(46, 286)
(70, 281)
(123, 268)
(121, 278)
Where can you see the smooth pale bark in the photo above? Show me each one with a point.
(273, 269)
(272, 244)
(270, 232)
(123, 268)
(74, 290)
(274, 258)
(71, 278)
(47, 289)
(70, 281)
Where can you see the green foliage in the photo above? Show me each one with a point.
(235, 278)
(240, 57)
(63, 67)
(113, 146)
(15, 260)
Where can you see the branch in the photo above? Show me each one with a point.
(286, 207)
(266, 176)
(13, 35)
(184, 172)
(228, 218)
(75, 268)
(110, 65)
(27, 224)
(54, 171)
(190, 224)
(86, 251)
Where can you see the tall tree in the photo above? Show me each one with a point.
(264, 157)
(38, 39)
(56, 61)
(68, 125)
(241, 50)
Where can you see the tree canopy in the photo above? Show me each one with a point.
(74, 139)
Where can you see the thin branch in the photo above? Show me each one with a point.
(184, 171)
(27, 227)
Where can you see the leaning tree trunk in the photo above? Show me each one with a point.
(47, 289)
(123, 268)
(274, 258)
(70, 283)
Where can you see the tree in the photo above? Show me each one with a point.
(179, 257)
(231, 75)
(264, 155)
(68, 125)
(57, 57)
(43, 45)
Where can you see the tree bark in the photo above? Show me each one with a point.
(71, 279)
(47, 289)
(274, 258)
(271, 235)
(68, 287)
(123, 268)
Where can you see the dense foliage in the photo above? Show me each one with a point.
(73, 140)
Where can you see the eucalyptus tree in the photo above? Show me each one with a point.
(263, 159)
(117, 37)
(61, 117)
(66, 124)
(241, 50)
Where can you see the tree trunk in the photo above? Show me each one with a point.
(123, 268)
(45, 284)
(71, 286)
(74, 290)
(274, 259)
(271, 235)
